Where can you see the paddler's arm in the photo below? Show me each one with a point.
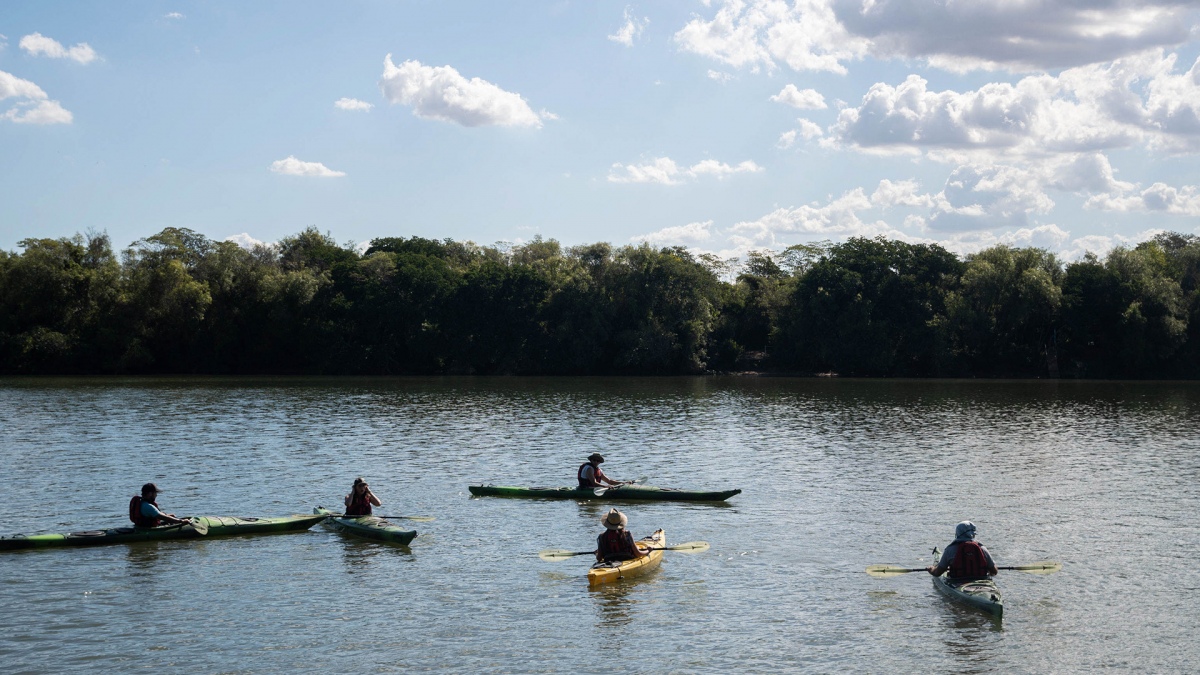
(373, 499)
(601, 478)
(943, 563)
(991, 564)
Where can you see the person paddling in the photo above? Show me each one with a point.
(616, 543)
(143, 510)
(965, 558)
(590, 475)
(360, 499)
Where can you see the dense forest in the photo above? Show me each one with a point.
(178, 302)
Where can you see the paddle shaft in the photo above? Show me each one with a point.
(372, 515)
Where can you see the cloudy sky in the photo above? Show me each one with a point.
(721, 125)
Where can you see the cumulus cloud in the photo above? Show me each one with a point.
(353, 104)
(692, 234)
(295, 167)
(37, 44)
(247, 242)
(805, 35)
(787, 139)
(173, 16)
(664, 171)
(1158, 198)
(34, 106)
(718, 76)
(823, 35)
(1136, 101)
(808, 99)
(441, 93)
(630, 30)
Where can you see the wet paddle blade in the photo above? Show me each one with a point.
(885, 571)
(555, 554)
(200, 528)
(689, 547)
(1042, 567)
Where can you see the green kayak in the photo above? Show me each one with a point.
(983, 593)
(625, 492)
(218, 526)
(371, 527)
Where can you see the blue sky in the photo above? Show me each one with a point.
(723, 126)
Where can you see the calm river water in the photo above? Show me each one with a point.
(837, 475)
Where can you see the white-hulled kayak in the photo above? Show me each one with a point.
(603, 573)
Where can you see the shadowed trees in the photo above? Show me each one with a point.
(177, 302)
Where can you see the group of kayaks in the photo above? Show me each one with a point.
(371, 527)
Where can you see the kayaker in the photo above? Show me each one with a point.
(143, 510)
(360, 499)
(965, 558)
(616, 543)
(590, 475)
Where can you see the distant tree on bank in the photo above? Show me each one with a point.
(177, 302)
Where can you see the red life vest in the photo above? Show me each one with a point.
(969, 562)
(360, 505)
(583, 482)
(135, 513)
(616, 545)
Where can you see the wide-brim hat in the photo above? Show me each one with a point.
(596, 457)
(615, 520)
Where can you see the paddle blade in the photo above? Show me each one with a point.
(200, 527)
(419, 519)
(599, 492)
(1042, 567)
(689, 547)
(885, 571)
(559, 554)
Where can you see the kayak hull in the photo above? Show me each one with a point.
(605, 573)
(370, 527)
(623, 493)
(218, 526)
(983, 594)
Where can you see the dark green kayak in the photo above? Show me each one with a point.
(625, 492)
(371, 527)
(218, 526)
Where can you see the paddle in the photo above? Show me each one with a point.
(200, 528)
(689, 547)
(419, 519)
(1043, 567)
(601, 490)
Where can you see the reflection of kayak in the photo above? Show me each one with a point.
(603, 573)
(218, 526)
(631, 492)
(371, 527)
(984, 593)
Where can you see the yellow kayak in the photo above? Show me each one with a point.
(603, 573)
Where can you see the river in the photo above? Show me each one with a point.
(837, 474)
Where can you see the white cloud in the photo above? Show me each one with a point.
(441, 93)
(809, 129)
(353, 104)
(807, 99)
(36, 108)
(630, 30)
(1158, 198)
(38, 112)
(719, 76)
(840, 217)
(37, 44)
(900, 193)
(664, 171)
(294, 167)
(787, 139)
(988, 197)
(174, 15)
(3, 41)
(823, 35)
(1136, 101)
(681, 235)
(247, 242)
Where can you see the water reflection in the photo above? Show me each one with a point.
(143, 559)
(360, 555)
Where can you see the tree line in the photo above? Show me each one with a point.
(177, 302)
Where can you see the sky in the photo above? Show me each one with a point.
(722, 125)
